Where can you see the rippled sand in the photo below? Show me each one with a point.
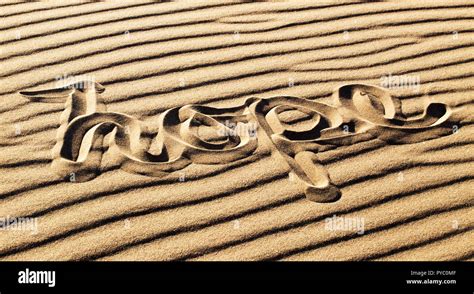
(400, 193)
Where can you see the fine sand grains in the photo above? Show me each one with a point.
(403, 196)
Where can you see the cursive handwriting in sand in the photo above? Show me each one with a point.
(208, 135)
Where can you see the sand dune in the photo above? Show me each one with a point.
(222, 130)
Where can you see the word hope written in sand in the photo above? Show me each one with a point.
(297, 128)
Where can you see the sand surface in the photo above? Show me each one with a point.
(237, 131)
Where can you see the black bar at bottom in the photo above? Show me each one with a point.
(31, 276)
